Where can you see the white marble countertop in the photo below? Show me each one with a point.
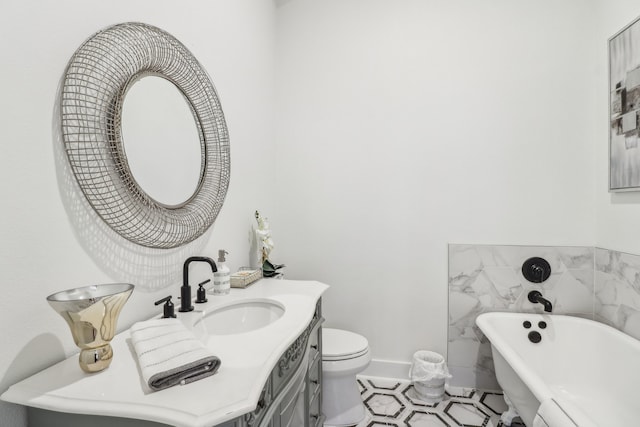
(247, 360)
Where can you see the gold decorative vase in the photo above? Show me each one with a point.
(92, 315)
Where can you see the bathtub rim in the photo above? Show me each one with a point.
(537, 387)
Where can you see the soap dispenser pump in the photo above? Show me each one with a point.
(222, 277)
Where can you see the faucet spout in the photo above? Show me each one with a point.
(536, 297)
(185, 289)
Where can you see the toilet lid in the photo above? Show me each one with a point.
(339, 344)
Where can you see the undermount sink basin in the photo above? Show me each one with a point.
(240, 317)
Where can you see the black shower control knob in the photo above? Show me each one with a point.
(536, 270)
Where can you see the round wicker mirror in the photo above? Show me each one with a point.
(96, 82)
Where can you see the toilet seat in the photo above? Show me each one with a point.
(338, 344)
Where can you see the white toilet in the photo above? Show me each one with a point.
(344, 354)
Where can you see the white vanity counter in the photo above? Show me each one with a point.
(247, 360)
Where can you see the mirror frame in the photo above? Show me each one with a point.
(95, 84)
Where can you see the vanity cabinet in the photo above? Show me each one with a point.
(291, 397)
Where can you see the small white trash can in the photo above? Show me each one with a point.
(428, 374)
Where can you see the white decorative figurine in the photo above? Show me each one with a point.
(264, 235)
(265, 247)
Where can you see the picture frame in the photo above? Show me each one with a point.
(624, 109)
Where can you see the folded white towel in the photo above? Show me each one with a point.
(169, 354)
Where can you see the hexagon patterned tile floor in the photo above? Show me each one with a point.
(394, 403)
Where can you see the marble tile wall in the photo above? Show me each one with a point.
(617, 290)
(595, 283)
(486, 278)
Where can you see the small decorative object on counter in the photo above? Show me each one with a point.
(245, 277)
(270, 269)
(221, 278)
(265, 246)
(92, 315)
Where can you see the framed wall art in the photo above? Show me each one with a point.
(624, 109)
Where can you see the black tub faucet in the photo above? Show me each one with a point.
(536, 297)
(185, 289)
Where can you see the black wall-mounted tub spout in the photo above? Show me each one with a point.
(536, 297)
(185, 289)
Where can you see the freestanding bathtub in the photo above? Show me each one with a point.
(589, 370)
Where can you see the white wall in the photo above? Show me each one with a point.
(402, 126)
(48, 240)
(405, 125)
(617, 213)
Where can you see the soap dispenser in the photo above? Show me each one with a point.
(222, 277)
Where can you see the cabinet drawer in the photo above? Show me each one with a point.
(315, 378)
(315, 411)
(314, 343)
(292, 408)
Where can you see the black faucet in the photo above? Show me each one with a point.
(536, 297)
(185, 289)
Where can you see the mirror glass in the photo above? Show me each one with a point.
(161, 141)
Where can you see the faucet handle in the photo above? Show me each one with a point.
(168, 309)
(201, 295)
